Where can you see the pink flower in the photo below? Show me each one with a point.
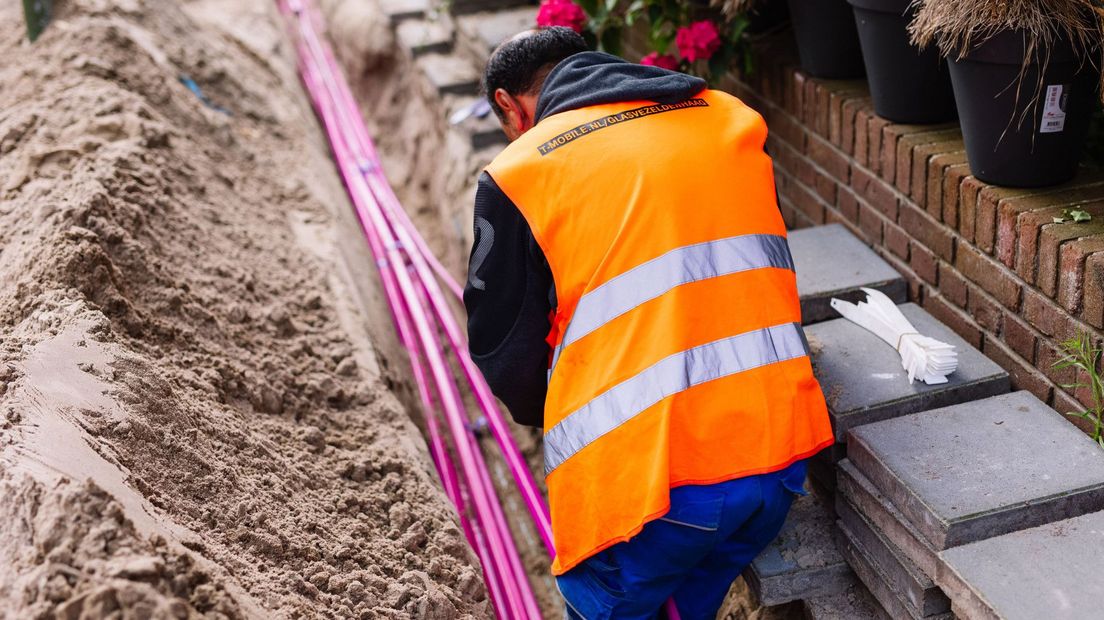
(698, 41)
(561, 13)
(663, 61)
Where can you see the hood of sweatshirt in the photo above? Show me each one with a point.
(594, 78)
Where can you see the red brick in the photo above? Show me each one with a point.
(985, 310)
(809, 101)
(952, 182)
(1065, 403)
(952, 285)
(874, 191)
(849, 116)
(828, 157)
(1024, 376)
(924, 263)
(967, 206)
(870, 221)
(1092, 304)
(916, 286)
(1048, 355)
(848, 204)
(1071, 271)
(985, 221)
(907, 149)
(874, 136)
(937, 170)
(796, 104)
(861, 151)
(805, 201)
(897, 240)
(1018, 335)
(825, 187)
(921, 157)
(1051, 239)
(787, 128)
(952, 317)
(840, 94)
(1046, 316)
(991, 276)
(935, 236)
(823, 110)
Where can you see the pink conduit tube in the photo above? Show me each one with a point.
(516, 599)
(394, 240)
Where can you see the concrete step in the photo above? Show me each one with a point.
(465, 7)
(854, 604)
(487, 30)
(1051, 571)
(802, 562)
(399, 10)
(426, 36)
(449, 74)
(916, 589)
(879, 586)
(863, 380)
(981, 469)
(875, 507)
(832, 262)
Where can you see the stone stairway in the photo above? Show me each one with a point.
(937, 496)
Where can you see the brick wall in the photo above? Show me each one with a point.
(988, 261)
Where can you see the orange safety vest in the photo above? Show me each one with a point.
(678, 352)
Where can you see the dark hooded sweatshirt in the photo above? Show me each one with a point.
(510, 294)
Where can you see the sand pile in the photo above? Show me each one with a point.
(192, 421)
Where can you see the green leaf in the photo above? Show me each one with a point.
(37, 14)
(611, 41)
(1080, 216)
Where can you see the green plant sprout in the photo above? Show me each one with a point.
(1075, 215)
(1080, 354)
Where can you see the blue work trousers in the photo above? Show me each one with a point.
(694, 552)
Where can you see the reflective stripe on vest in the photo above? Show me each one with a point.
(687, 264)
(670, 376)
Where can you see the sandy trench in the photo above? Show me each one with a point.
(194, 417)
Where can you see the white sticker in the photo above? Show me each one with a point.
(1054, 108)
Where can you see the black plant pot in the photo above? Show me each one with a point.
(1008, 140)
(826, 39)
(906, 84)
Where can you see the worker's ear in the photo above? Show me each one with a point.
(515, 120)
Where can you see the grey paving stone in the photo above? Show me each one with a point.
(802, 562)
(854, 604)
(399, 10)
(449, 74)
(1052, 572)
(492, 28)
(424, 36)
(917, 591)
(832, 262)
(856, 489)
(890, 600)
(981, 469)
(863, 380)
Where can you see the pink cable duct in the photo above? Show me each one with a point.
(409, 238)
(488, 544)
(502, 550)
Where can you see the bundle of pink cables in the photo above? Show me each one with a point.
(421, 310)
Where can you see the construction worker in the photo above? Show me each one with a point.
(631, 291)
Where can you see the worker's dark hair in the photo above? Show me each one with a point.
(519, 66)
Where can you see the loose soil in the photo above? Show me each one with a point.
(192, 416)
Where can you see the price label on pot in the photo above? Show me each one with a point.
(1054, 108)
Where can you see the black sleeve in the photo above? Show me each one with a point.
(509, 297)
